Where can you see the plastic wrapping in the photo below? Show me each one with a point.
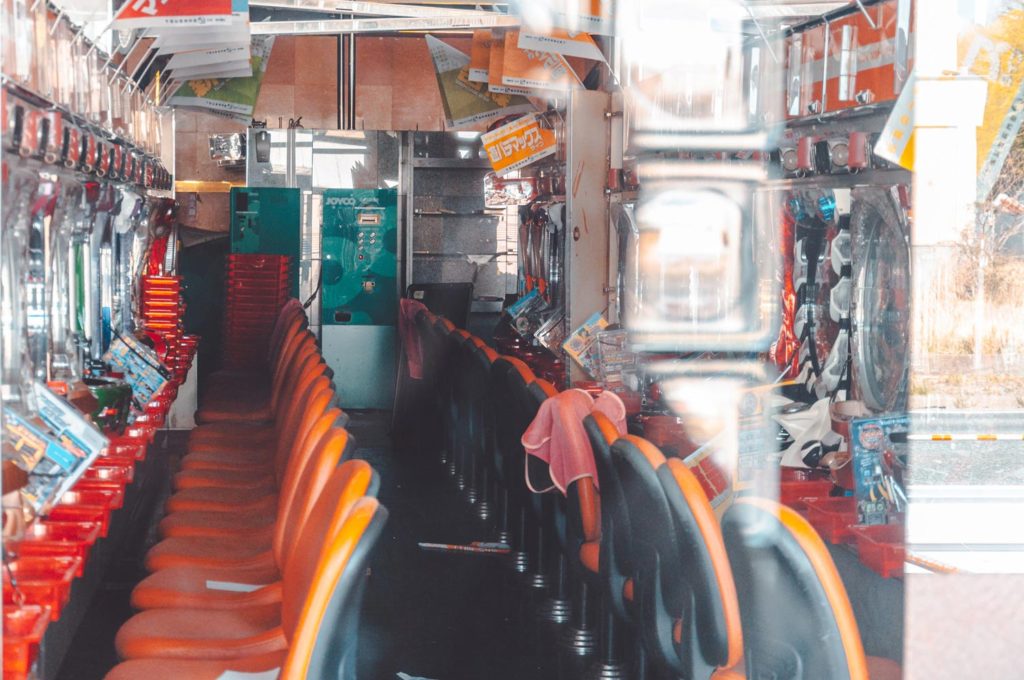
(699, 75)
(703, 275)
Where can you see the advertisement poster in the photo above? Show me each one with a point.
(535, 70)
(232, 96)
(874, 449)
(518, 144)
(582, 344)
(464, 102)
(180, 13)
(479, 56)
(141, 367)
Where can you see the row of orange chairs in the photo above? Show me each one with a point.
(263, 557)
(681, 594)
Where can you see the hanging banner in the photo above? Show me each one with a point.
(535, 70)
(235, 97)
(466, 102)
(518, 144)
(172, 13)
(479, 55)
(496, 67)
(561, 41)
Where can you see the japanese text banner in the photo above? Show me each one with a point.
(518, 144)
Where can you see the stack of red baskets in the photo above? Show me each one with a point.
(162, 313)
(257, 287)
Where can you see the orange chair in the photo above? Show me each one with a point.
(189, 586)
(689, 615)
(290, 424)
(246, 499)
(263, 475)
(312, 630)
(611, 559)
(797, 618)
(509, 381)
(225, 386)
(253, 522)
(256, 407)
(478, 362)
(295, 422)
(256, 550)
(290, 320)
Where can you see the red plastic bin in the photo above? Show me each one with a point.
(60, 538)
(100, 514)
(882, 548)
(120, 446)
(796, 485)
(44, 581)
(108, 498)
(24, 627)
(833, 518)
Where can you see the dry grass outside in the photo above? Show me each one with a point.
(950, 313)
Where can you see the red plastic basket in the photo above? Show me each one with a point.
(882, 548)
(44, 581)
(796, 485)
(833, 518)
(60, 538)
(24, 627)
(81, 513)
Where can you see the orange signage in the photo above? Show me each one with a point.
(533, 69)
(183, 13)
(518, 144)
(479, 55)
(495, 68)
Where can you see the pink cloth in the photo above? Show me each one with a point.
(557, 436)
(411, 336)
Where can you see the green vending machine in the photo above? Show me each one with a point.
(359, 293)
(268, 220)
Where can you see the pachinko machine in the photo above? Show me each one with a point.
(87, 371)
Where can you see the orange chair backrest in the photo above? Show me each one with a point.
(822, 569)
(306, 482)
(308, 363)
(305, 458)
(590, 508)
(711, 535)
(525, 373)
(308, 408)
(291, 315)
(289, 338)
(307, 598)
(347, 484)
(311, 368)
(294, 345)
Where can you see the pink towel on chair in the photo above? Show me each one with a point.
(411, 336)
(557, 436)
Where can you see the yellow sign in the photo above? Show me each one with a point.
(896, 143)
(518, 144)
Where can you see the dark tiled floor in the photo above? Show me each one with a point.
(439, 615)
